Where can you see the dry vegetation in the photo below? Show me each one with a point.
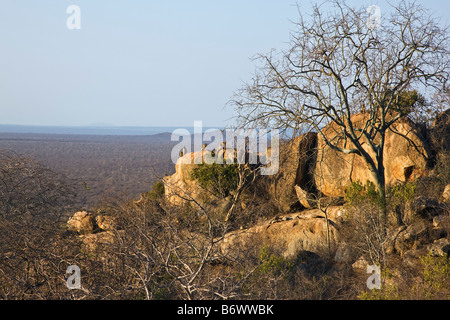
(158, 251)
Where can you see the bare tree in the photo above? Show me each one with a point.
(171, 253)
(338, 65)
(32, 199)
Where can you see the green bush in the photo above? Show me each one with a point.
(219, 179)
(357, 193)
(432, 283)
(157, 190)
(401, 193)
(272, 264)
(436, 276)
(265, 275)
(397, 197)
(389, 288)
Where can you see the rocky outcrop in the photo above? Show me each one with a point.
(290, 234)
(308, 166)
(84, 222)
(93, 229)
(405, 158)
(180, 186)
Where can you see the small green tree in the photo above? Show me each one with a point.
(356, 193)
(219, 179)
(157, 190)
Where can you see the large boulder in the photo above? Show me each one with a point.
(180, 185)
(405, 157)
(440, 132)
(296, 163)
(446, 193)
(290, 234)
(281, 186)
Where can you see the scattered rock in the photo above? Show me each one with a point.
(82, 222)
(412, 258)
(446, 193)
(412, 237)
(106, 223)
(360, 265)
(303, 197)
(440, 247)
(425, 207)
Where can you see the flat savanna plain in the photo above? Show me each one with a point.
(101, 167)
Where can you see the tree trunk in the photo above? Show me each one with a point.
(380, 183)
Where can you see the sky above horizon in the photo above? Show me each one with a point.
(138, 63)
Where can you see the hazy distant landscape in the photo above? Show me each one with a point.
(100, 165)
(312, 160)
(87, 130)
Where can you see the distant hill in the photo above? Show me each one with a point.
(90, 130)
(85, 130)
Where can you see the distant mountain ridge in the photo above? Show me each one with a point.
(91, 130)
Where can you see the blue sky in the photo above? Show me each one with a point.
(136, 62)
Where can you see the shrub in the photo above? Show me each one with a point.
(436, 277)
(431, 282)
(401, 193)
(272, 264)
(265, 275)
(357, 193)
(157, 190)
(219, 179)
(397, 197)
(389, 288)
